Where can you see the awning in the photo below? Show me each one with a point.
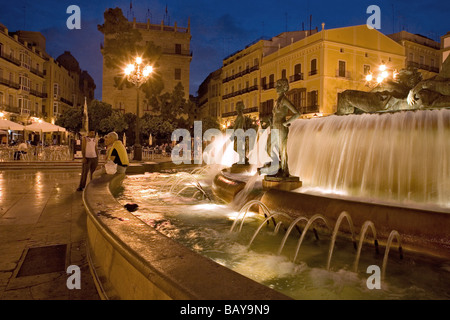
(44, 127)
(9, 125)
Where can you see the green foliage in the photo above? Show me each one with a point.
(115, 122)
(122, 44)
(71, 119)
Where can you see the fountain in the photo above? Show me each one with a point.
(384, 172)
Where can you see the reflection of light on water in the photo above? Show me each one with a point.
(204, 227)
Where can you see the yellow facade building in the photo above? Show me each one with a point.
(421, 52)
(33, 84)
(317, 64)
(174, 66)
(326, 63)
(22, 82)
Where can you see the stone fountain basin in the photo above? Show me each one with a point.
(130, 260)
(422, 230)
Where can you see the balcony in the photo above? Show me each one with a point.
(38, 93)
(70, 103)
(10, 59)
(186, 53)
(9, 83)
(9, 108)
(239, 92)
(313, 72)
(37, 72)
(240, 74)
(422, 66)
(296, 77)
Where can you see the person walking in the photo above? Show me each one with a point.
(89, 150)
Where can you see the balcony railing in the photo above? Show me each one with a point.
(313, 72)
(37, 72)
(240, 74)
(9, 83)
(239, 92)
(9, 108)
(38, 93)
(181, 52)
(422, 66)
(70, 103)
(296, 77)
(9, 58)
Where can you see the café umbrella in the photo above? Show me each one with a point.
(10, 125)
(42, 126)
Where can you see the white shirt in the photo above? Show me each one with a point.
(90, 148)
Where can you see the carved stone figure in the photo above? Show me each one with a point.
(433, 92)
(281, 125)
(387, 96)
(409, 92)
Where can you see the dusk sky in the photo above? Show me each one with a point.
(218, 28)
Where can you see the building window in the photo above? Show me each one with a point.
(341, 71)
(271, 81)
(177, 48)
(283, 74)
(366, 69)
(55, 109)
(24, 82)
(25, 59)
(177, 74)
(24, 105)
(55, 91)
(313, 69)
(313, 98)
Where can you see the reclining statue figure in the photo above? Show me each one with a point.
(407, 92)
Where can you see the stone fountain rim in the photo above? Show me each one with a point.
(166, 266)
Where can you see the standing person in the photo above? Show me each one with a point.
(89, 150)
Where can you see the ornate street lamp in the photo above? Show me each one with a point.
(138, 74)
(383, 73)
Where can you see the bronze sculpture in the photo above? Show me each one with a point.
(408, 92)
(280, 129)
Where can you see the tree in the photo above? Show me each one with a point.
(97, 111)
(122, 44)
(71, 119)
(115, 122)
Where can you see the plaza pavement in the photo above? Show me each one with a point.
(40, 209)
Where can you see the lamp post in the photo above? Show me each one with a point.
(138, 74)
(383, 74)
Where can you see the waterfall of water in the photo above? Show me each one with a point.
(403, 157)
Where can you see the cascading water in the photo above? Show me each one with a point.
(401, 157)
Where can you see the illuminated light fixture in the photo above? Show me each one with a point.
(383, 68)
(2, 114)
(384, 74)
(369, 77)
(379, 79)
(137, 74)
